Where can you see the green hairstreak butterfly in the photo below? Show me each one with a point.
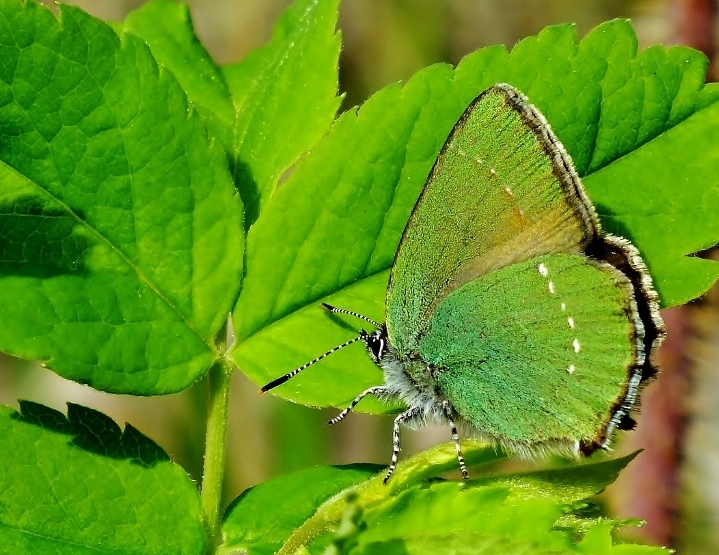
(508, 310)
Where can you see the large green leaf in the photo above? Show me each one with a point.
(285, 98)
(79, 485)
(471, 543)
(490, 504)
(331, 231)
(120, 230)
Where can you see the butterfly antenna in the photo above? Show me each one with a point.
(335, 310)
(282, 379)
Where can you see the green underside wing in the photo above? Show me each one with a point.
(549, 342)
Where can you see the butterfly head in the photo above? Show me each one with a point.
(376, 343)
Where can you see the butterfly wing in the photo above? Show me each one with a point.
(549, 351)
(503, 190)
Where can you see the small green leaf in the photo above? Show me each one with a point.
(565, 484)
(120, 229)
(371, 493)
(167, 29)
(331, 231)
(285, 98)
(262, 518)
(597, 540)
(80, 485)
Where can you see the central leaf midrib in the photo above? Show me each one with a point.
(136, 269)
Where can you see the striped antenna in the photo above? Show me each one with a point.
(283, 379)
(335, 310)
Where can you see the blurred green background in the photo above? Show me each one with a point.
(674, 484)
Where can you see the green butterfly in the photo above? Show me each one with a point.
(508, 310)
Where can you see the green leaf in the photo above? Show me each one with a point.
(523, 507)
(120, 230)
(167, 29)
(266, 110)
(520, 510)
(458, 543)
(420, 469)
(598, 541)
(565, 484)
(672, 210)
(331, 231)
(422, 511)
(285, 98)
(259, 524)
(80, 485)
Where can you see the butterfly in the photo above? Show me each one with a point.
(508, 310)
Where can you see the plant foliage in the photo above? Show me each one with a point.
(146, 193)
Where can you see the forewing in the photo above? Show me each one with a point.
(545, 352)
(503, 190)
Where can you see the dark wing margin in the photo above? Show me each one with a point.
(649, 331)
(564, 168)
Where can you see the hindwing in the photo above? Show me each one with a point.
(547, 352)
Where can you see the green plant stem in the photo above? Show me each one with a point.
(215, 444)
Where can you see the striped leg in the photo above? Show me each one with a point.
(377, 391)
(455, 437)
(406, 415)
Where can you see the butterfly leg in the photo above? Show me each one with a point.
(455, 437)
(406, 415)
(378, 390)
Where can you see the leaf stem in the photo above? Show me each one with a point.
(215, 444)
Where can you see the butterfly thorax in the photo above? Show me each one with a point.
(406, 377)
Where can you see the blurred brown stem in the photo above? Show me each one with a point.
(694, 24)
